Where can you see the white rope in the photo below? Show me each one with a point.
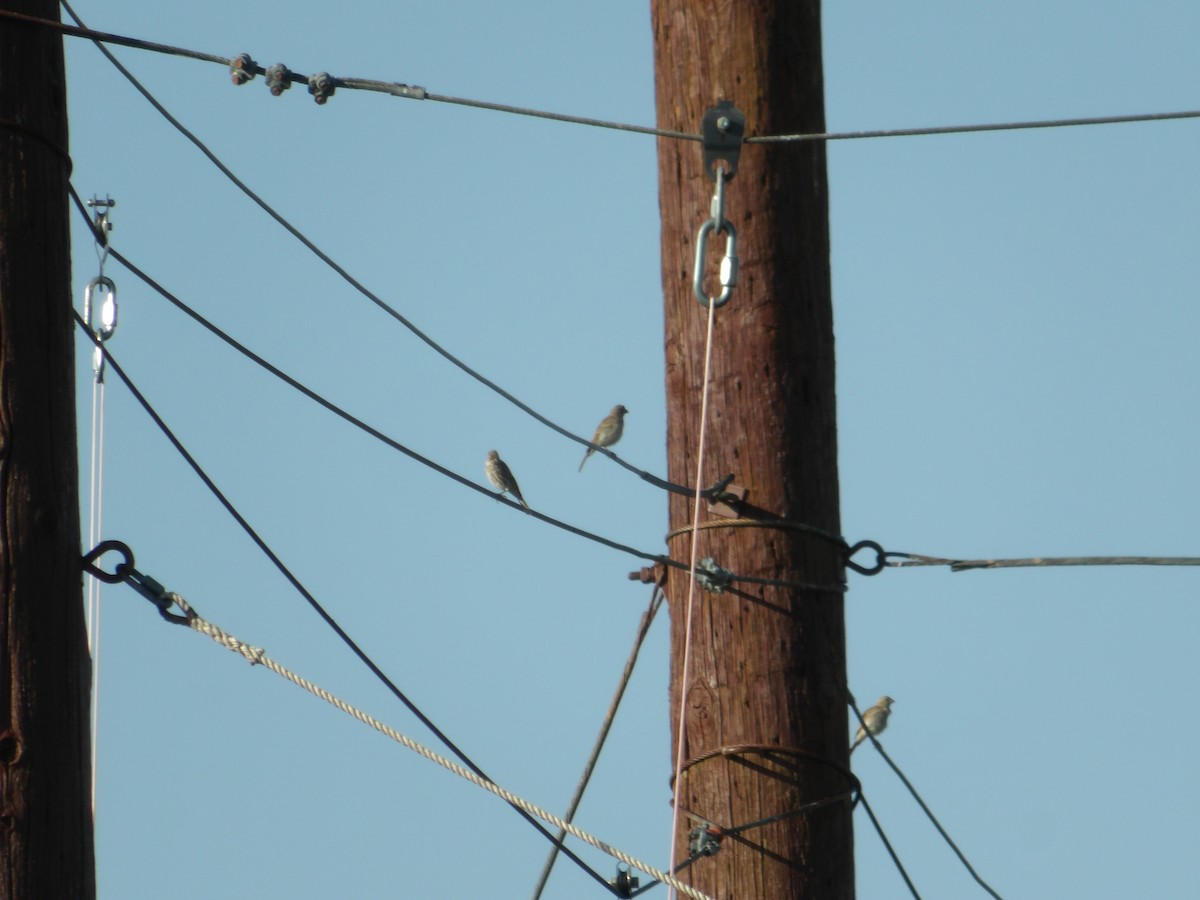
(687, 634)
(95, 512)
(257, 656)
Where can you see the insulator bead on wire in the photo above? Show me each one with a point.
(242, 69)
(321, 87)
(278, 79)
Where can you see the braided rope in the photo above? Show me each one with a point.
(258, 657)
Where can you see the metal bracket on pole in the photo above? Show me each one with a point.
(723, 128)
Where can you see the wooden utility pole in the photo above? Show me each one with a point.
(766, 723)
(45, 815)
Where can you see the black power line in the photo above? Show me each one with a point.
(315, 604)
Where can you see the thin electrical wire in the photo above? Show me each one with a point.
(862, 799)
(378, 435)
(360, 287)
(308, 596)
(681, 730)
(912, 790)
(417, 93)
(256, 656)
(656, 597)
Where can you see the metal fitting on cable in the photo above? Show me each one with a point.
(655, 574)
(279, 79)
(722, 130)
(103, 327)
(704, 840)
(321, 86)
(125, 571)
(712, 577)
(108, 309)
(241, 69)
(624, 884)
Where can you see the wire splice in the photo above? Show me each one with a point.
(279, 79)
(321, 86)
(242, 69)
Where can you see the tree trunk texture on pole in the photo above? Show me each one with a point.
(766, 723)
(46, 848)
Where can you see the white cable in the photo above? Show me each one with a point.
(687, 634)
(95, 515)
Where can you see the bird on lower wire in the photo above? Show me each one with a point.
(608, 432)
(501, 477)
(875, 719)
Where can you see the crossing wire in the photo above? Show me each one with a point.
(256, 656)
(396, 445)
(313, 602)
(364, 290)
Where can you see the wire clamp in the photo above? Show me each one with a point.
(712, 577)
(704, 840)
(624, 884)
(321, 86)
(241, 69)
(279, 79)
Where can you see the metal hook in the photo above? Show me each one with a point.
(729, 262)
(102, 226)
(120, 571)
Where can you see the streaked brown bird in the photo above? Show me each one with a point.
(501, 477)
(608, 432)
(875, 719)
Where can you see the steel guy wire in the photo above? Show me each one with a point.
(414, 92)
(656, 598)
(912, 790)
(908, 560)
(371, 295)
(308, 596)
(256, 656)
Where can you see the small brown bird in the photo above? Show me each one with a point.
(608, 432)
(875, 719)
(501, 477)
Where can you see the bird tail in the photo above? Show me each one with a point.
(585, 458)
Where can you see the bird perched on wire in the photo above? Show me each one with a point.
(608, 432)
(875, 719)
(501, 477)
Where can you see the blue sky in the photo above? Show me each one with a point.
(1015, 316)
